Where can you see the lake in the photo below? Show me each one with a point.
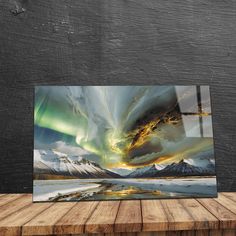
(114, 189)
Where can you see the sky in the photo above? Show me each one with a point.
(126, 126)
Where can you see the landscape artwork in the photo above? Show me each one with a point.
(123, 142)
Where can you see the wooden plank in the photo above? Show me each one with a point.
(203, 219)
(173, 233)
(159, 233)
(229, 232)
(114, 234)
(188, 233)
(226, 217)
(59, 219)
(100, 234)
(103, 218)
(43, 223)
(204, 232)
(4, 199)
(15, 205)
(136, 234)
(215, 232)
(74, 221)
(178, 217)
(154, 216)
(11, 225)
(226, 202)
(230, 195)
(129, 218)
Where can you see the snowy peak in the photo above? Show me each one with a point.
(147, 171)
(159, 167)
(55, 163)
(182, 168)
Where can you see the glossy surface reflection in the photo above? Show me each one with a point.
(108, 133)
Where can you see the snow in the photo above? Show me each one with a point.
(61, 163)
(203, 186)
(176, 187)
(159, 167)
(44, 190)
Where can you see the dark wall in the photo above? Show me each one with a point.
(109, 42)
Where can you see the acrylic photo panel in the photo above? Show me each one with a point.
(123, 142)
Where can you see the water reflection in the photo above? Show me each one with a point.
(110, 189)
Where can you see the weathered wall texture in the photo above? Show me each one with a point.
(110, 42)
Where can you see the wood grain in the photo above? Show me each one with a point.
(173, 233)
(215, 232)
(178, 217)
(103, 218)
(226, 217)
(230, 195)
(203, 218)
(43, 224)
(202, 233)
(129, 217)
(229, 232)
(183, 217)
(11, 225)
(226, 202)
(188, 233)
(73, 222)
(15, 205)
(163, 233)
(154, 216)
(4, 199)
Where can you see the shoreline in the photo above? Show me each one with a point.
(105, 189)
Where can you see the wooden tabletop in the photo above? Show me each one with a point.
(19, 216)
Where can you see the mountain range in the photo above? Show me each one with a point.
(49, 162)
(182, 168)
(53, 163)
(147, 171)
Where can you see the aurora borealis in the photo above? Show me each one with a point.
(126, 126)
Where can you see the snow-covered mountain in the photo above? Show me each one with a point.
(147, 171)
(51, 162)
(56, 163)
(181, 168)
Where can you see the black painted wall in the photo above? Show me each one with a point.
(109, 42)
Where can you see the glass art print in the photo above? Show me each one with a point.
(123, 142)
